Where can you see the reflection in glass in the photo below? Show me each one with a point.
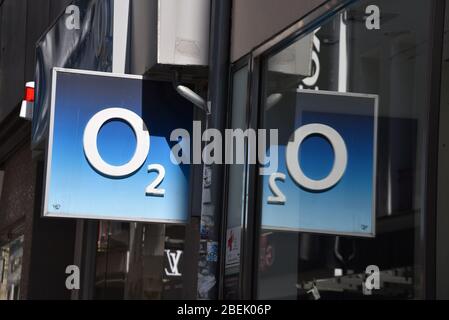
(392, 63)
(11, 269)
(145, 261)
(236, 190)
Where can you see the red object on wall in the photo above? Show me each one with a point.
(29, 94)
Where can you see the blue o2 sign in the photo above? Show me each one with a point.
(108, 154)
(325, 181)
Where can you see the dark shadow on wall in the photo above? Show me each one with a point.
(52, 250)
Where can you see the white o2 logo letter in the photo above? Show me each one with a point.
(340, 157)
(90, 142)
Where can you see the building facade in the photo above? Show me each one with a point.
(243, 64)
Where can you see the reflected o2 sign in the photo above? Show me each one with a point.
(325, 181)
(340, 157)
(108, 154)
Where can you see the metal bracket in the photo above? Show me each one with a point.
(191, 95)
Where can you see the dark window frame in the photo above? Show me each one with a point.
(243, 62)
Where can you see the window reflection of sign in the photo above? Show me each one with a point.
(312, 191)
(325, 59)
(311, 81)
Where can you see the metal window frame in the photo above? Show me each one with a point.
(244, 62)
(251, 220)
(430, 177)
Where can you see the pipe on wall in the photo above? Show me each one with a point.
(211, 215)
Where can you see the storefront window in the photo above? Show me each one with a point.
(392, 63)
(11, 269)
(140, 261)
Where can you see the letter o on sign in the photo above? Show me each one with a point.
(340, 157)
(90, 142)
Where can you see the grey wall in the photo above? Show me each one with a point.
(21, 23)
(255, 21)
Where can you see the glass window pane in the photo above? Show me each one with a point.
(142, 261)
(236, 190)
(349, 57)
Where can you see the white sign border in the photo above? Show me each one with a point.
(49, 153)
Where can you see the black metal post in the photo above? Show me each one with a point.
(212, 208)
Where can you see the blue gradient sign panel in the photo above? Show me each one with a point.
(109, 149)
(307, 203)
